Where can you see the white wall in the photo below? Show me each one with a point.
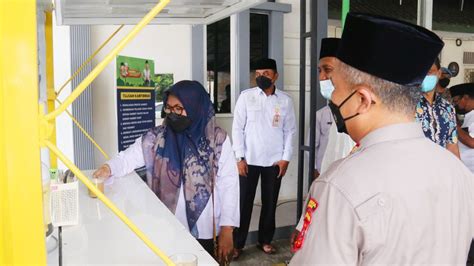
(170, 48)
(453, 53)
(62, 72)
(291, 60)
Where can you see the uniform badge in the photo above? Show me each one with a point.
(308, 216)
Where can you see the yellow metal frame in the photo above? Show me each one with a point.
(88, 60)
(100, 67)
(107, 202)
(53, 96)
(84, 132)
(22, 235)
(48, 32)
(46, 127)
(23, 132)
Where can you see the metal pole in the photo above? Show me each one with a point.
(425, 13)
(50, 79)
(22, 230)
(299, 199)
(319, 18)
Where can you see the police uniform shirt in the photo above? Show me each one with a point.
(391, 202)
(263, 127)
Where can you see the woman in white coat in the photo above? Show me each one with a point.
(190, 166)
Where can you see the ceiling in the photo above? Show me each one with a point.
(99, 12)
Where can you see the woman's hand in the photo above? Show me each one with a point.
(225, 245)
(103, 172)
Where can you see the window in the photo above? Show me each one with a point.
(218, 57)
(218, 64)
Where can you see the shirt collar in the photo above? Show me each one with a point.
(393, 132)
(469, 116)
(437, 98)
(276, 92)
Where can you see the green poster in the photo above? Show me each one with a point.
(134, 72)
(135, 98)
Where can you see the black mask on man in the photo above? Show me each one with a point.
(178, 123)
(336, 112)
(263, 82)
(444, 82)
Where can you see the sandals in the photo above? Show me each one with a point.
(267, 248)
(237, 253)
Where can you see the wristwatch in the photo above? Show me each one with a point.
(240, 159)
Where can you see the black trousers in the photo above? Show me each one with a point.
(270, 187)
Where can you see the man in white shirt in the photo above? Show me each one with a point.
(262, 132)
(324, 118)
(323, 123)
(363, 210)
(330, 145)
(463, 100)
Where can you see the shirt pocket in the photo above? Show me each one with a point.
(252, 112)
(374, 217)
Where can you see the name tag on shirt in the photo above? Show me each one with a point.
(276, 116)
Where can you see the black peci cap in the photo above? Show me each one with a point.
(388, 48)
(462, 89)
(266, 63)
(329, 47)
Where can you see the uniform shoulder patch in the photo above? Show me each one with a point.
(308, 216)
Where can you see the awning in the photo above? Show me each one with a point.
(111, 12)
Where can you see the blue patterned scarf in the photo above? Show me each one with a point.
(189, 158)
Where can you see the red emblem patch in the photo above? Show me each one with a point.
(310, 209)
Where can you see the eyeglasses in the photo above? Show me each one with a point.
(177, 109)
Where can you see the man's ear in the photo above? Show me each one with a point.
(366, 97)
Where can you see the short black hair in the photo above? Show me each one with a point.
(462, 89)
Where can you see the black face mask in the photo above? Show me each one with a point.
(178, 123)
(444, 82)
(336, 113)
(263, 82)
